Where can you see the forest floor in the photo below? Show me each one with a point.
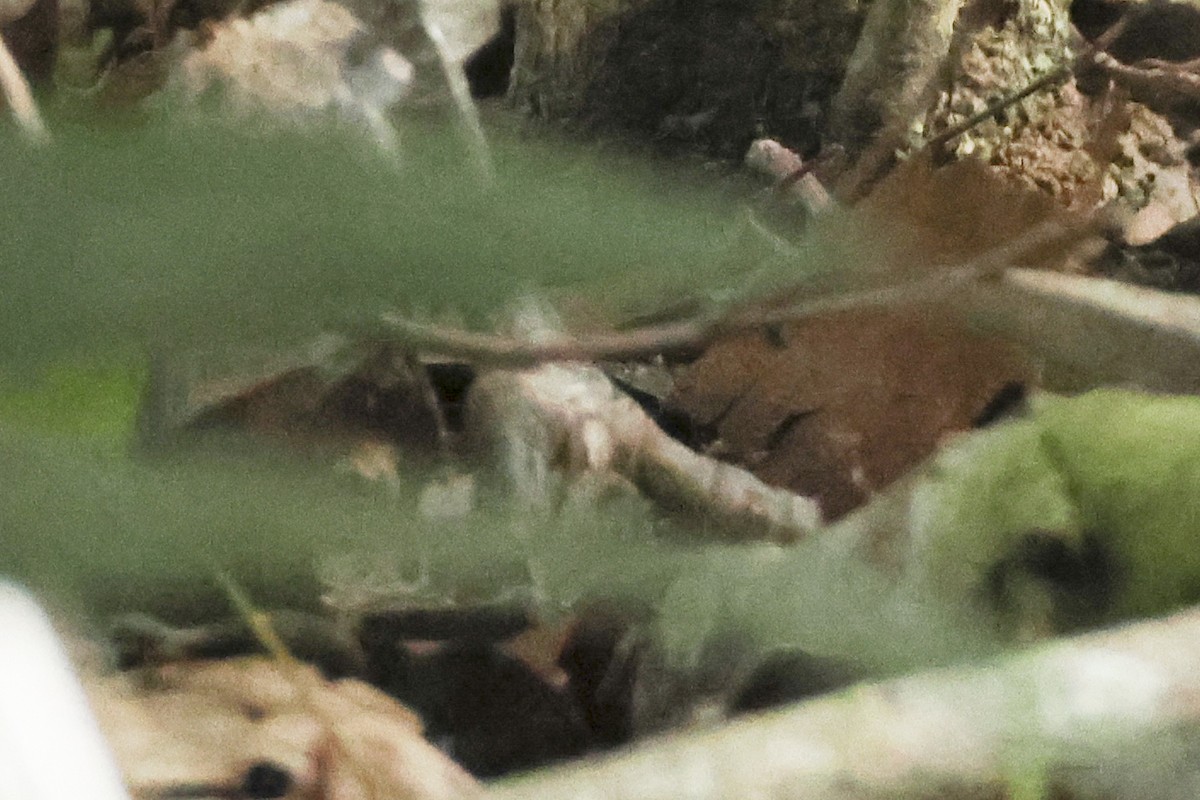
(547, 435)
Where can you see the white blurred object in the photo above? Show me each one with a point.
(51, 747)
(287, 59)
(466, 24)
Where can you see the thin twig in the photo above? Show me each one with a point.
(1088, 54)
(510, 352)
(505, 351)
(20, 97)
(466, 112)
(994, 108)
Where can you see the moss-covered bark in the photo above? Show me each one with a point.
(889, 79)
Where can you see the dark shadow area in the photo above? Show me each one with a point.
(489, 68)
(706, 75)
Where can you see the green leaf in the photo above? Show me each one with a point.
(1119, 467)
(1132, 461)
(194, 236)
(92, 402)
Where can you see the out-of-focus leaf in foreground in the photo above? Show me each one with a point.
(1094, 495)
(196, 235)
(94, 402)
(103, 534)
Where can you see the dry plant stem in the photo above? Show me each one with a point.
(422, 41)
(790, 173)
(514, 353)
(1107, 330)
(1068, 709)
(20, 97)
(503, 351)
(466, 113)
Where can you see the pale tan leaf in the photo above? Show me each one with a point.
(210, 724)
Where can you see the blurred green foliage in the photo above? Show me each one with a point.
(120, 240)
(91, 401)
(190, 238)
(1132, 469)
(191, 235)
(1116, 467)
(101, 534)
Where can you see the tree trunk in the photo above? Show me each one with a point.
(708, 74)
(891, 77)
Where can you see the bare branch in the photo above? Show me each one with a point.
(503, 351)
(1105, 329)
(1077, 714)
(570, 417)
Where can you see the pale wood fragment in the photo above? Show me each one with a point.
(571, 417)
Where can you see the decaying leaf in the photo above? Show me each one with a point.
(922, 216)
(838, 407)
(243, 726)
(359, 411)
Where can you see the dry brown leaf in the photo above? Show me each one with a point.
(211, 725)
(840, 406)
(540, 646)
(925, 216)
(362, 415)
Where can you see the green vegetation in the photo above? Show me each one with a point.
(188, 236)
